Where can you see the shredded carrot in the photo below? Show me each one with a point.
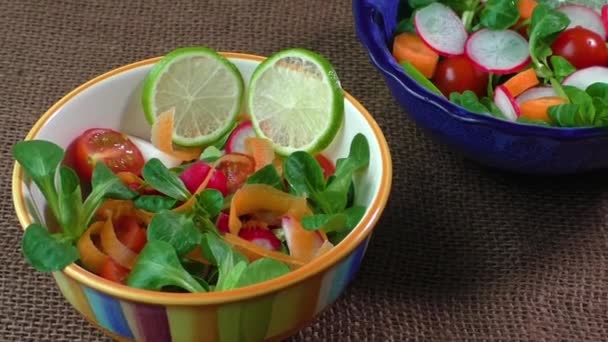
(197, 255)
(162, 137)
(113, 208)
(254, 224)
(538, 109)
(254, 252)
(256, 197)
(303, 244)
(261, 150)
(325, 247)
(187, 206)
(526, 8)
(91, 257)
(115, 249)
(522, 82)
(409, 47)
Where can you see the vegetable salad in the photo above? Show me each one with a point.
(528, 61)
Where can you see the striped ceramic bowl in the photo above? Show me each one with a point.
(268, 311)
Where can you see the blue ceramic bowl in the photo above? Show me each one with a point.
(493, 142)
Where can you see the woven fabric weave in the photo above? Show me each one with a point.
(462, 253)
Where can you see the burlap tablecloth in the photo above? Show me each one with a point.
(461, 253)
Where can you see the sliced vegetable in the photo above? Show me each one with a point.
(261, 237)
(526, 7)
(162, 137)
(90, 255)
(261, 150)
(506, 103)
(521, 82)
(583, 78)
(236, 140)
(326, 164)
(538, 109)
(499, 52)
(195, 174)
(303, 244)
(130, 233)
(254, 252)
(585, 17)
(236, 167)
(247, 200)
(441, 29)
(114, 248)
(149, 151)
(535, 93)
(222, 223)
(408, 47)
(113, 271)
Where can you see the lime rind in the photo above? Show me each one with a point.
(323, 122)
(188, 132)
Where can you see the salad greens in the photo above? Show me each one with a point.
(163, 263)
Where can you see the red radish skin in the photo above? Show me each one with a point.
(447, 36)
(488, 50)
(195, 174)
(222, 223)
(506, 103)
(236, 141)
(585, 17)
(262, 237)
(583, 78)
(535, 93)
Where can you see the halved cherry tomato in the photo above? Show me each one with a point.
(457, 74)
(326, 164)
(107, 146)
(581, 47)
(111, 270)
(130, 233)
(236, 167)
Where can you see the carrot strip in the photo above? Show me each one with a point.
(187, 206)
(526, 8)
(325, 247)
(197, 255)
(254, 252)
(261, 150)
(162, 137)
(538, 109)
(409, 47)
(256, 197)
(522, 82)
(115, 249)
(113, 209)
(91, 257)
(303, 244)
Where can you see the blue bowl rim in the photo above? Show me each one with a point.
(379, 54)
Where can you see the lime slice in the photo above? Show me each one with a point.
(205, 89)
(296, 101)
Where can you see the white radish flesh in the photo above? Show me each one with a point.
(441, 29)
(583, 78)
(498, 52)
(149, 151)
(506, 103)
(236, 141)
(585, 17)
(535, 93)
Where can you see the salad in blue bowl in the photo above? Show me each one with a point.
(518, 85)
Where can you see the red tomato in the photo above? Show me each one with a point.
(130, 233)
(236, 167)
(457, 74)
(112, 148)
(111, 270)
(326, 164)
(581, 47)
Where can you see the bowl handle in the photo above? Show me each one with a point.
(375, 16)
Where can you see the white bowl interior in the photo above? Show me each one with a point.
(114, 102)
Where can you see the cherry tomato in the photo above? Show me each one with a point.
(457, 74)
(130, 233)
(326, 164)
(113, 271)
(581, 47)
(236, 167)
(107, 146)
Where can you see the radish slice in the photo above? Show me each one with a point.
(585, 77)
(498, 52)
(441, 29)
(506, 103)
(585, 17)
(236, 140)
(605, 18)
(149, 151)
(535, 93)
